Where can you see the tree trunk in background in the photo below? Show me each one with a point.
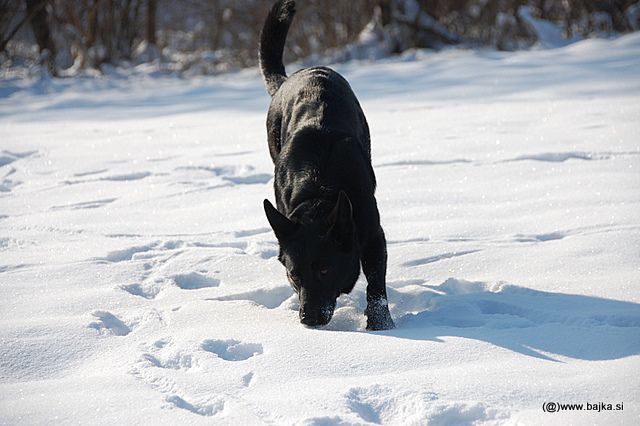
(408, 24)
(152, 6)
(385, 12)
(93, 24)
(39, 20)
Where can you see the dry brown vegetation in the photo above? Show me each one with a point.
(216, 35)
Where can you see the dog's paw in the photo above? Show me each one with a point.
(380, 323)
(378, 316)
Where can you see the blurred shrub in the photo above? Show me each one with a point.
(211, 36)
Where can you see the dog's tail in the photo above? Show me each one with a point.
(272, 38)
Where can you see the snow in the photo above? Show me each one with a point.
(547, 33)
(139, 282)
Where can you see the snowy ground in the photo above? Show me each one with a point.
(139, 283)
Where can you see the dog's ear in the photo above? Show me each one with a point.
(281, 225)
(341, 219)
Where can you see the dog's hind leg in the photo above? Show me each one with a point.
(374, 265)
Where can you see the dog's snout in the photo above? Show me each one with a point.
(313, 317)
(312, 320)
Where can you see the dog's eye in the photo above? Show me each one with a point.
(321, 269)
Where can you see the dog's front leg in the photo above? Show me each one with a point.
(374, 265)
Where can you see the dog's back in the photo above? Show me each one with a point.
(319, 98)
(318, 103)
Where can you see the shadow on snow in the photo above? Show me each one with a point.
(531, 322)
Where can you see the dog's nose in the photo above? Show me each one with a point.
(310, 320)
(313, 317)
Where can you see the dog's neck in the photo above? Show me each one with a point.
(307, 195)
(311, 201)
(312, 211)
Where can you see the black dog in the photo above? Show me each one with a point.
(327, 221)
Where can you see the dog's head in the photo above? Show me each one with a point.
(321, 258)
